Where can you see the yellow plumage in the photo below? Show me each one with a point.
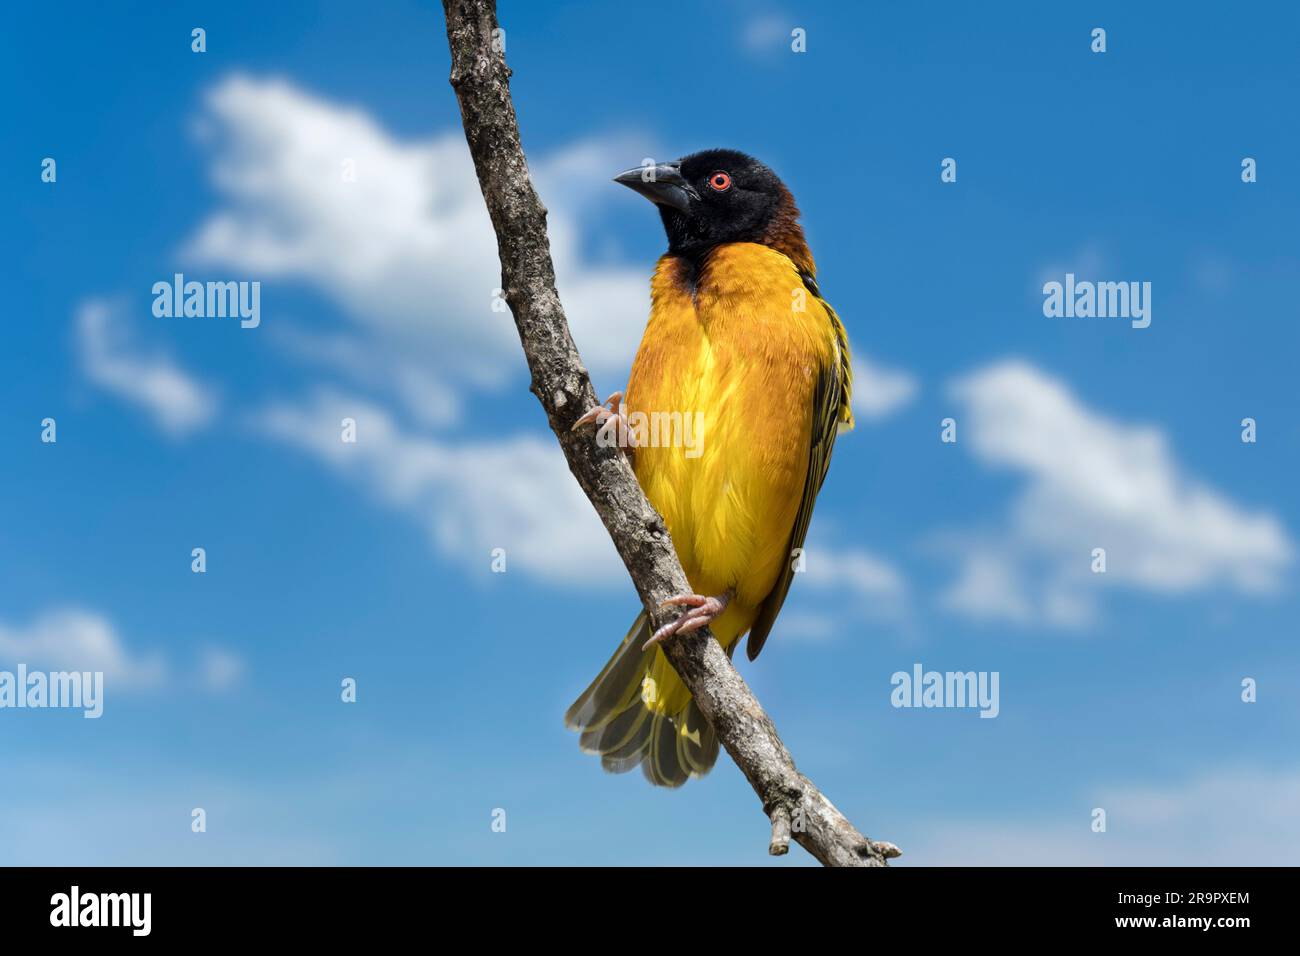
(739, 336)
(740, 353)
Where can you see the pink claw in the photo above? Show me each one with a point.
(598, 413)
(704, 611)
(611, 425)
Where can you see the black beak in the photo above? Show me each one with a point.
(662, 185)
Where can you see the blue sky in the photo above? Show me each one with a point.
(1119, 690)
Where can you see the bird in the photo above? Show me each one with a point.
(739, 337)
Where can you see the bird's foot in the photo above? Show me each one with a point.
(611, 423)
(703, 611)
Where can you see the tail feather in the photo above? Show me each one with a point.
(629, 756)
(697, 744)
(662, 768)
(617, 683)
(616, 735)
(636, 713)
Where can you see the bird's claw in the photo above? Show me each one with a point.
(611, 424)
(599, 413)
(703, 612)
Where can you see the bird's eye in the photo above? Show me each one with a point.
(720, 182)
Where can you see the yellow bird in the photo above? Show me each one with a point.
(739, 388)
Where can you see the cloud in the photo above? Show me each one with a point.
(989, 587)
(74, 640)
(766, 33)
(863, 584)
(175, 401)
(1092, 482)
(808, 626)
(1212, 273)
(879, 391)
(427, 397)
(1241, 816)
(854, 571)
(395, 231)
(219, 669)
(514, 493)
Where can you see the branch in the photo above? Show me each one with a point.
(481, 80)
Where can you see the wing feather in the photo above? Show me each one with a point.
(831, 408)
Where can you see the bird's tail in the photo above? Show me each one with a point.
(638, 711)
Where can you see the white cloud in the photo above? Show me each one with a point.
(1245, 816)
(862, 583)
(807, 626)
(1213, 273)
(74, 640)
(766, 33)
(855, 571)
(407, 253)
(174, 400)
(879, 391)
(989, 587)
(514, 493)
(220, 669)
(1092, 482)
(426, 396)
(406, 249)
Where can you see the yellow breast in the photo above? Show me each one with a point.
(727, 369)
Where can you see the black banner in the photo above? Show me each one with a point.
(332, 905)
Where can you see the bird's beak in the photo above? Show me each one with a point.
(662, 185)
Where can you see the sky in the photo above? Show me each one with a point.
(315, 148)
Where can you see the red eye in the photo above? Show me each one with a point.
(720, 181)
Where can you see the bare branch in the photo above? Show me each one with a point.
(780, 844)
(482, 82)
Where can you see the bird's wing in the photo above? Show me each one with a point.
(831, 408)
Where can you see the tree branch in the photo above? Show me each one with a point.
(482, 82)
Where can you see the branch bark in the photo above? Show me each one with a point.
(794, 805)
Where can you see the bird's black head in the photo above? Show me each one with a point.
(719, 196)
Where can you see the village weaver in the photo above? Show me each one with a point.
(740, 337)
